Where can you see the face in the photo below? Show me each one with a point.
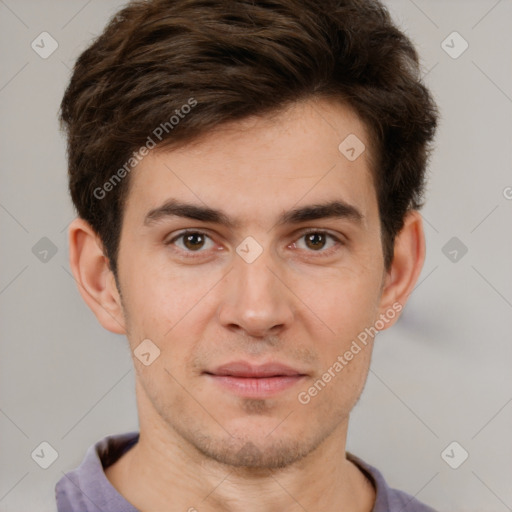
(253, 260)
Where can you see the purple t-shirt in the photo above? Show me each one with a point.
(87, 489)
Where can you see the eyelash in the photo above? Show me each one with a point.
(200, 253)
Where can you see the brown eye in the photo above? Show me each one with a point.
(193, 241)
(315, 241)
(320, 242)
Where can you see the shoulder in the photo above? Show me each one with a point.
(388, 499)
(86, 488)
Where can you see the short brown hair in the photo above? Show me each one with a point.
(235, 59)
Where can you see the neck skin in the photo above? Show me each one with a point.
(163, 469)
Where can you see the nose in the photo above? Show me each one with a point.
(256, 300)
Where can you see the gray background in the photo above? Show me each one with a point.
(442, 374)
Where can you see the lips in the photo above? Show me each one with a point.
(255, 381)
(244, 369)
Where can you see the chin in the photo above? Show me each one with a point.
(251, 454)
(253, 444)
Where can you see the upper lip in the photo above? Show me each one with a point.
(246, 369)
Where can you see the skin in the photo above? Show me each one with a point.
(298, 303)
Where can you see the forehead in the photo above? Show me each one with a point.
(257, 168)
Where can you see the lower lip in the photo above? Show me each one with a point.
(251, 387)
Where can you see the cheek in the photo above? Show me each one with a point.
(344, 301)
(334, 392)
(159, 298)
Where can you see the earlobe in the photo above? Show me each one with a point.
(408, 259)
(93, 276)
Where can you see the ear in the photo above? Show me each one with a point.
(408, 259)
(93, 276)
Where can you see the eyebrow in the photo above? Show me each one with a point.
(333, 209)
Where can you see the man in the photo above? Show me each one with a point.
(247, 176)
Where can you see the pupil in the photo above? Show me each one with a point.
(194, 241)
(316, 240)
